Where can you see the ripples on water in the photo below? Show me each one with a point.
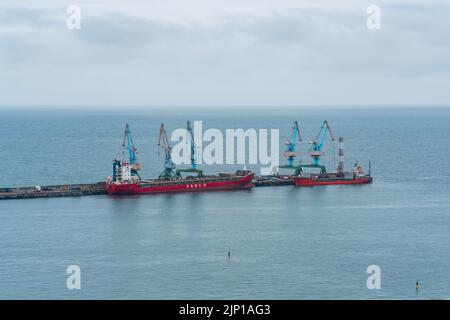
(285, 242)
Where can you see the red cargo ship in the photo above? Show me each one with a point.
(242, 179)
(330, 180)
(356, 176)
(126, 180)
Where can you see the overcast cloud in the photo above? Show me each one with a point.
(224, 52)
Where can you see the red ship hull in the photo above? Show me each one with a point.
(310, 182)
(185, 185)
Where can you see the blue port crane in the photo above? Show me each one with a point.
(290, 152)
(190, 139)
(169, 167)
(128, 145)
(316, 149)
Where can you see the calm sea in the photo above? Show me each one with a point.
(285, 242)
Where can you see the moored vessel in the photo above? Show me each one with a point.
(318, 175)
(332, 179)
(124, 184)
(126, 180)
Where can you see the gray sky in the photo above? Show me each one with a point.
(224, 53)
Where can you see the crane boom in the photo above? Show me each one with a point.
(194, 165)
(128, 144)
(169, 166)
(290, 152)
(315, 150)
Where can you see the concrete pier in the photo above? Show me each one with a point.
(78, 190)
(67, 190)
